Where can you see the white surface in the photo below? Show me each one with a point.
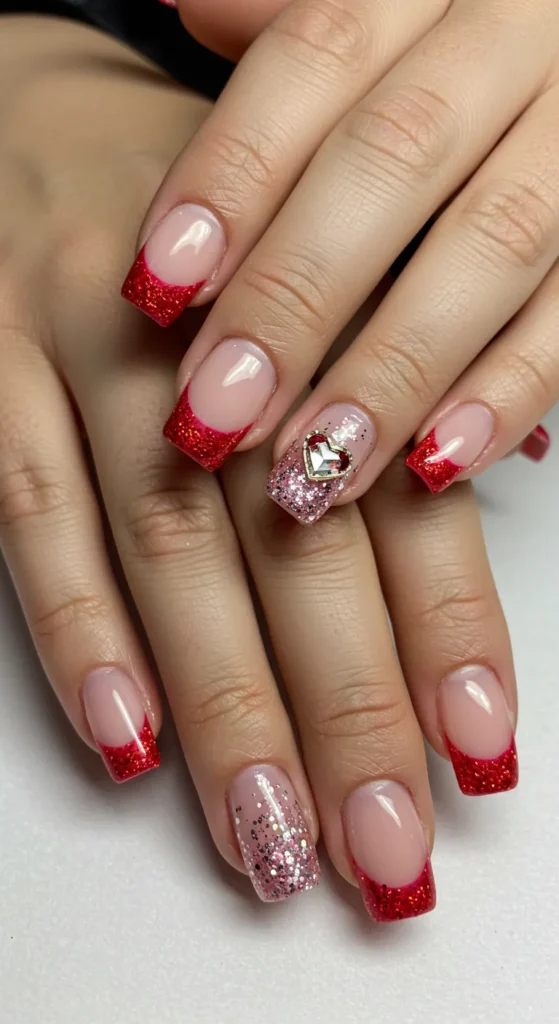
(116, 910)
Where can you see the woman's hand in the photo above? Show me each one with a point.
(86, 131)
(347, 125)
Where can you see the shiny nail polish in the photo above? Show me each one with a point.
(119, 724)
(274, 840)
(537, 444)
(477, 726)
(316, 468)
(389, 851)
(181, 254)
(453, 446)
(225, 396)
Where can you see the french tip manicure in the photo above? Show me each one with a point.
(385, 903)
(453, 446)
(208, 447)
(162, 302)
(119, 724)
(537, 444)
(476, 723)
(274, 840)
(484, 776)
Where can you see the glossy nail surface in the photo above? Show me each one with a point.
(119, 724)
(453, 446)
(227, 393)
(536, 446)
(272, 833)
(478, 730)
(315, 469)
(389, 852)
(182, 253)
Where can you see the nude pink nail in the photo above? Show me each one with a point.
(389, 851)
(273, 836)
(227, 393)
(182, 253)
(454, 445)
(477, 725)
(316, 468)
(119, 723)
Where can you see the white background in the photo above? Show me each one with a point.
(116, 910)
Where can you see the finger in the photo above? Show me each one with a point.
(449, 626)
(182, 562)
(480, 263)
(294, 84)
(511, 385)
(380, 175)
(225, 29)
(52, 539)
(362, 745)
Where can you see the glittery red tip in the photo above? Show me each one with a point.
(390, 903)
(437, 475)
(134, 758)
(162, 302)
(537, 444)
(207, 446)
(478, 777)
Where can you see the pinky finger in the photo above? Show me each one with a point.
(495, 407)
(52, 539)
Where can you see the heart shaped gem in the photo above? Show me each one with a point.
(323, 459)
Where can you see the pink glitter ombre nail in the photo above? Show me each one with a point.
(273, 836)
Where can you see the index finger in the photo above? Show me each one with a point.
(294, 84)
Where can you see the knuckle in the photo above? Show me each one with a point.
(514, 223)
(535, 373)
(330, 29)
(84, 610)
(294, 292)
(324, 554)
(32, 490)
(160, 525)
(242, 165)
(230, 697)
(358, 708)
(411, 130)
(404, 367)
(455, 611)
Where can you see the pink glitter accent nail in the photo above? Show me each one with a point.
(289, 485)
(272, 833)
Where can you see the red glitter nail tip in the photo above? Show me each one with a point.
(134, 758)
(537, 444)
(162, 302)
(390, 903)
(479, 777)
(437, 475)
(208, 447)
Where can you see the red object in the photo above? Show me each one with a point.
(134, 758)
(480, 777)
(437, 475)
(162, 302)
(537, 444)
(208, 447)
(390, 903)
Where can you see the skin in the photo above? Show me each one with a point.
(349, 125)
(89, 122)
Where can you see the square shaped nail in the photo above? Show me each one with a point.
(119, 724)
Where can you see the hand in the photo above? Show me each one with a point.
(344, 129)
(83, 123)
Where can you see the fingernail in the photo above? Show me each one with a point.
(318, 467)
(478, 731)
(272, 833)
(218, 407)
(119, 724)
(389, 851)
(181, 254)
(537, 444)
(453, 445)
(169, 3)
